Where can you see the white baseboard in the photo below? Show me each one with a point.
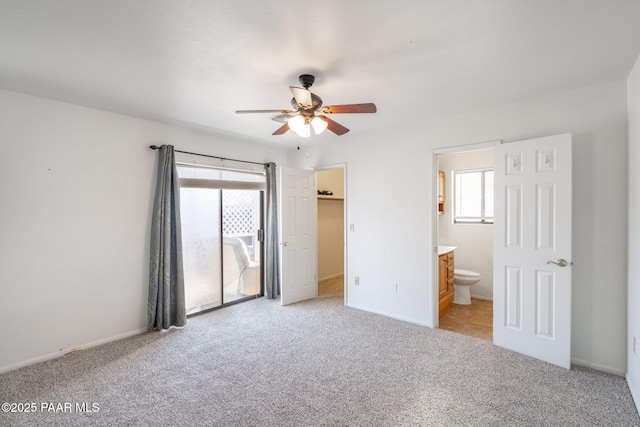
(333, 276)
(68, 350)
(394, 316)
(597, 367)
(635, 392)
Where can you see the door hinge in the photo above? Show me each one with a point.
(260, 235)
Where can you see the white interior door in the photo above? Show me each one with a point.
(532, 248)
(298, 235)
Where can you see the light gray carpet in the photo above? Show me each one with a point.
(315, 363)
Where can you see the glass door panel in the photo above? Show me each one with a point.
(241, 253)
(200, 216)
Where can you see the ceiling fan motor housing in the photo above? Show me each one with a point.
(316, 103)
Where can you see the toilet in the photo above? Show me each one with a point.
(463, 279)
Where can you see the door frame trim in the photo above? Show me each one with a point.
(435, 153)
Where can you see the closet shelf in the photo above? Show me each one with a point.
(330, 198)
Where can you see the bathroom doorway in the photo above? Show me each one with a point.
(532, 248)
(464, 230)
(331, 189)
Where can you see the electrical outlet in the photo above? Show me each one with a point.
(394, 287)
(352, 228)
(356, 280)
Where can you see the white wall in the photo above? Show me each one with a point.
(76, 186)
(633, 359)
(330, 224)
(390, 182)
(474, 242)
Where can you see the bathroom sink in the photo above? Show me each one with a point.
(446, 249)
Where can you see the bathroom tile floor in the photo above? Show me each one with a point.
(475, 319)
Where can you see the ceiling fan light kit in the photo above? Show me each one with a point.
(296, 123)
(304, 130)
(305, 106)
(319, 125)
(302, 125)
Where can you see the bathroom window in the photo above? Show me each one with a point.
(473, 196)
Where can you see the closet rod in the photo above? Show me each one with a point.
(155, 147)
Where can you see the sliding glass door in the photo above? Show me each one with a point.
(221, 215)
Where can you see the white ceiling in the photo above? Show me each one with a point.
(196, 62)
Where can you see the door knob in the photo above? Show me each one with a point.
(560, 263)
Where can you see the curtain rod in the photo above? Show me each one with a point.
(155, 147)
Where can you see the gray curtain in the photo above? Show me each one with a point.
(166, 306)
(272, 250)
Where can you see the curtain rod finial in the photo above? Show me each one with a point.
(154, 147)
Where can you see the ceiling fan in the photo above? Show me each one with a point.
(304, 115)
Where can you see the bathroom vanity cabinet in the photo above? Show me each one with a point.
(446, 281)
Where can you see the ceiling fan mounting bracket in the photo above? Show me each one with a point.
(306, 80)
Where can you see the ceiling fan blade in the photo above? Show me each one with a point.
(282, 129)
(282, 118)
(302, 96)
(334, 126)
(263, 111)
(350, 108)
